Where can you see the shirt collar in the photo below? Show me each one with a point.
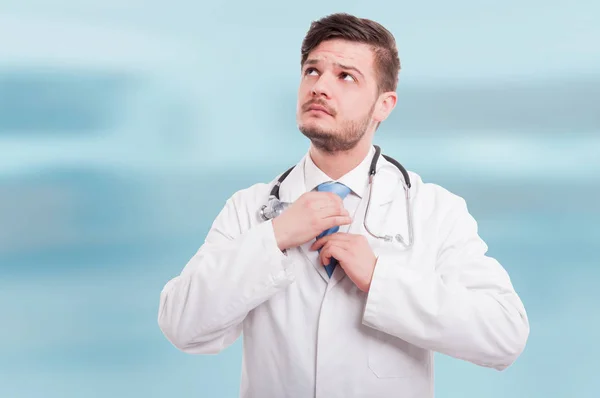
(356, 179)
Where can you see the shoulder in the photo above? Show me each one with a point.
(240, 211)
(420, 189)
(251, 195)
(427, 197)
(435, 197)
(441, 210)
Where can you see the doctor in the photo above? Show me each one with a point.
(347, 314)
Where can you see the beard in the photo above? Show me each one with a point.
(337, 140)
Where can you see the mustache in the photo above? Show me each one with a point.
(319, 102)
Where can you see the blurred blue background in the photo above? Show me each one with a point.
(124, 127)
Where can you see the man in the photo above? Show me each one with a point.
(346, 314)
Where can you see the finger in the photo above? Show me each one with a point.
(322, 201)
(334, 198)
(324, 255)
(330, 210)
(320, 242)
(346, 246)
(326, 197)
(334, 243)
(338, 237)
(333, 221)
(335, 202)
(338, 252)
(326, 208)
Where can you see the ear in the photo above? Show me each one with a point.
(384, 106)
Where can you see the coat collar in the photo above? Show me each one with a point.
(386, 180)
(356, 179)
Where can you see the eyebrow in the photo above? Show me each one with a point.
(346, 67)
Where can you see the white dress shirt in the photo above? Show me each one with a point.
(356, 179)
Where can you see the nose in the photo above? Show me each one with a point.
(321, 88)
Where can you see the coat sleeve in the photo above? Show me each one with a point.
(465, 306)
(202, 309)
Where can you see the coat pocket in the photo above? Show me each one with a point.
(391, 357)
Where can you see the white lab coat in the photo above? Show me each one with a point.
(305, 335)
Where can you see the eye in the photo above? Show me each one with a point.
(309, 70)
(345, 76)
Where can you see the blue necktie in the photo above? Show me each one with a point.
(342, 191)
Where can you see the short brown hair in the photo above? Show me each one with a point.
(348, 27)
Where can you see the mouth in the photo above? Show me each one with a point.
(318, 109)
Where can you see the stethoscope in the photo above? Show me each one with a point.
(275, 207)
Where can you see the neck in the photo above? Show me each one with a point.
(335, 165)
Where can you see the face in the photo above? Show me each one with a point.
(338, 99)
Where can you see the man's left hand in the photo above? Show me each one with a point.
(353, 253)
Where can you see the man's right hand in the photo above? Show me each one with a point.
(306, 218)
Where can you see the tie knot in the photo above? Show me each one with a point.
(336, 187)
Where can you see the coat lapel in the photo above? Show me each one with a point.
(290, 190)
(386, 212)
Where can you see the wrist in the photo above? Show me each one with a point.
(280, 237)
